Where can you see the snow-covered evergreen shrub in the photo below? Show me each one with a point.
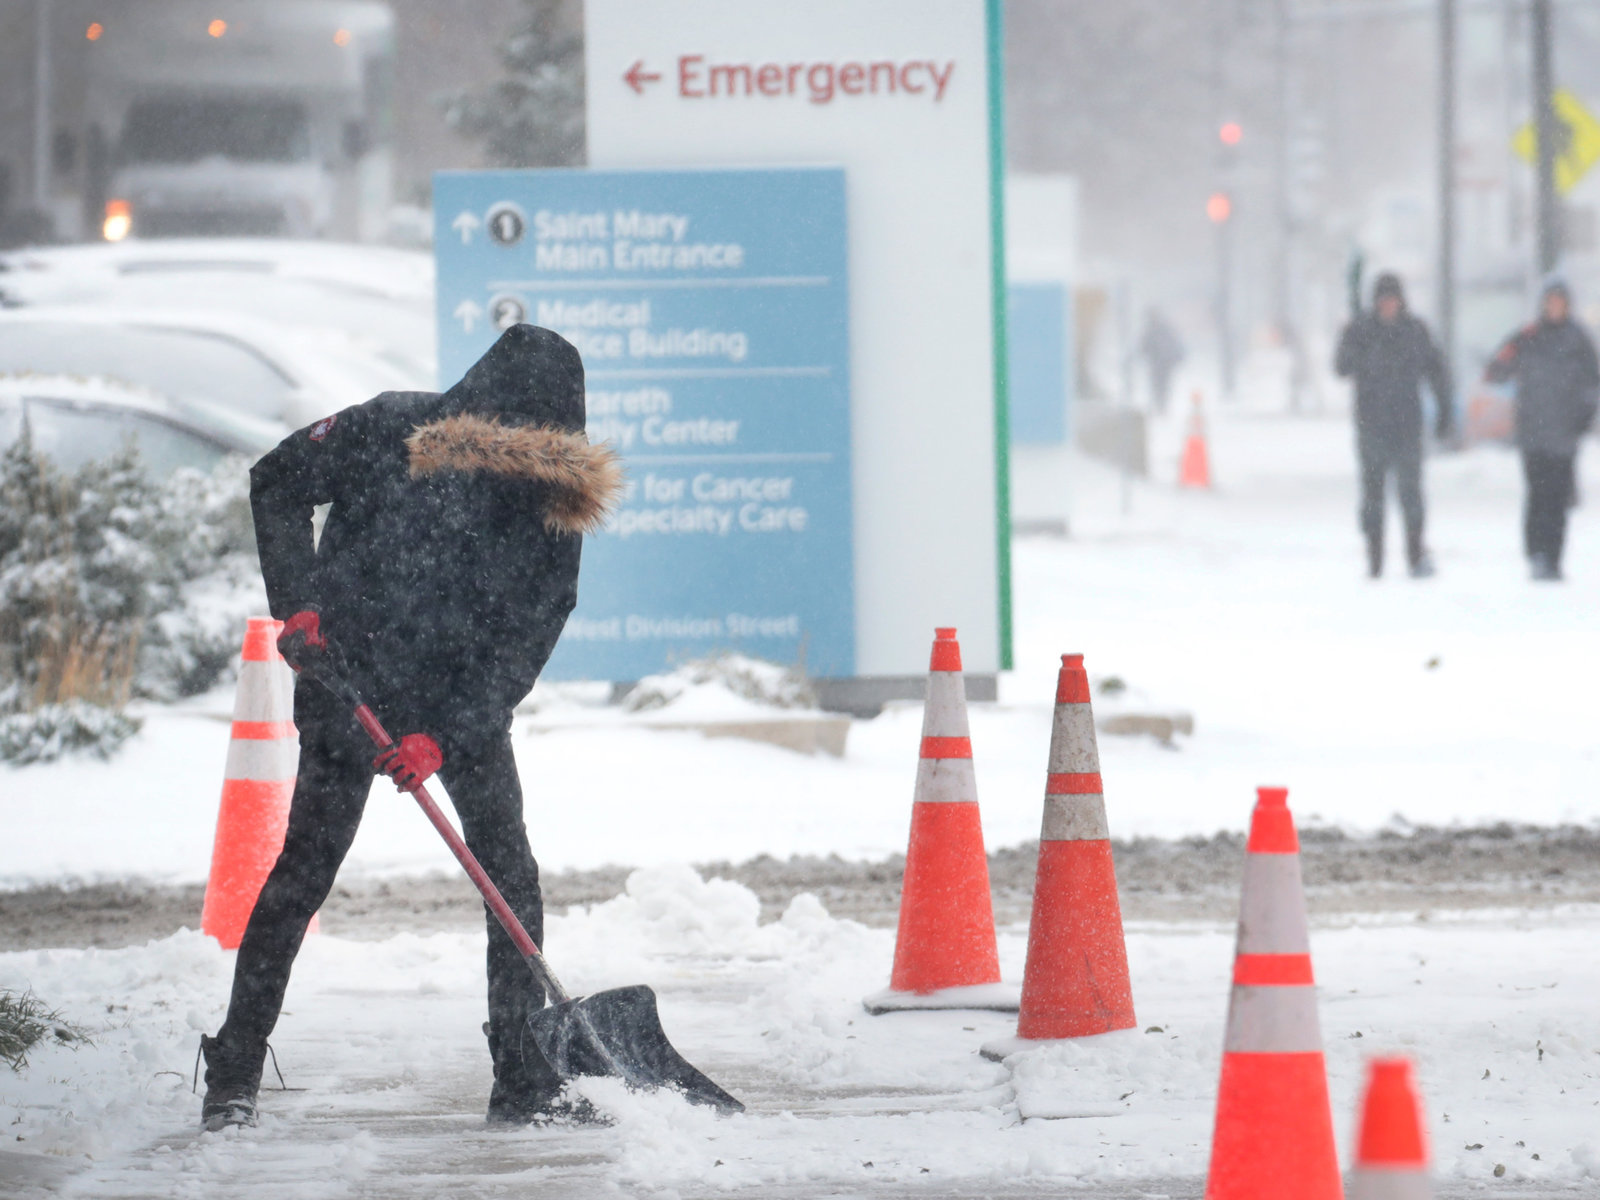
(45, 734)
(533, 117)
(113, 585)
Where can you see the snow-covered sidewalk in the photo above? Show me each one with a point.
(1497, 1008)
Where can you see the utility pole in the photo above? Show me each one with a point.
(1548, 131)
(42, 86)
(1447, 184)
(1219, 208)
(1284, 274)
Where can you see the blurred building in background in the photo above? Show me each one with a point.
(1234, 156)
(403, 73)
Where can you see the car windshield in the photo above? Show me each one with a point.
(186, 129)
(72, 433)
(183, 364)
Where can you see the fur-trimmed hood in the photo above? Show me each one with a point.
(585, 481)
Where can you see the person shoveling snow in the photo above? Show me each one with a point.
(445, 573)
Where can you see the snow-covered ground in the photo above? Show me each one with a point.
(1466, 698)
(1498, 1010)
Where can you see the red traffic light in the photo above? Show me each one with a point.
(1231, 133)
(1219, 207)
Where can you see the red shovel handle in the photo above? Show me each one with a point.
(469, 862)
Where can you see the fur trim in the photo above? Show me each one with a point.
(585, 481)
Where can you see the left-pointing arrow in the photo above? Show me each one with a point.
(469, 314)
(466, 224)
(637, 77)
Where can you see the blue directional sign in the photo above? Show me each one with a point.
(711, 311)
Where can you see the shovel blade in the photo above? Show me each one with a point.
(618, 1033)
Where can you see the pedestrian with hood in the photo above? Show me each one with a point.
(444, 574)
(1388, 353)
(1552, 365)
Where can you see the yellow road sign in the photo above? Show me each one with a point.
(1578, 140)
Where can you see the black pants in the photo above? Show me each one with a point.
(329, 796)
(1160, 390)
(1544, 512)
(1404, 462)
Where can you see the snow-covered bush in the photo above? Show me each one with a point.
(112, 586)
(533, 115)
(765, 683)
(45, 734)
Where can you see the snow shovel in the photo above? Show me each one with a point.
(616, 1032)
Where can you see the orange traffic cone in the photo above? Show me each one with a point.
(1195, 469)
(1076, 981)
(945, 954)
(256, 788)
(1392, 1154)
(1274, 1131)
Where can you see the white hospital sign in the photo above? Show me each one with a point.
(904, 95)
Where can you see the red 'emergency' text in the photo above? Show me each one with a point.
(818, 82)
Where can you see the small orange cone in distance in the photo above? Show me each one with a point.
(1076, 981)
(1274, 1131)
(263, 755)
(945, 954)
(1392, 1150)
(1194, 471)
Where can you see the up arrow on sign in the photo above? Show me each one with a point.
(469, 314)
(466, 224)
(637, 77)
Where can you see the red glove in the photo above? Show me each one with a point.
(301, 640)
(410, 761)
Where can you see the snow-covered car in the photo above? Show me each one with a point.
(379, 299)
(76, 420)
(219, 360)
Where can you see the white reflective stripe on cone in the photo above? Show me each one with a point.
(945, 713)
(1072, 746)
(1273, 1020)
(264, 761)
(1075, 819)
(946, 781)
(265, 692)
(1390, 1183)
(1272, 911)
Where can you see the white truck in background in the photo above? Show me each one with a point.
(241, 118)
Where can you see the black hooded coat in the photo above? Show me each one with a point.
(1388, 361)
(449, 559)
(1557, 380)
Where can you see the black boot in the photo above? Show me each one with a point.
(232, 1081)
(1419, 561)
(1544, 569)
(527, 1091)
(525, 1087)
(1374, 557)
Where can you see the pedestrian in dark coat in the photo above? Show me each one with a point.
(1388, 353)
(1162, 351)
(444, 574)
(1552, 363)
